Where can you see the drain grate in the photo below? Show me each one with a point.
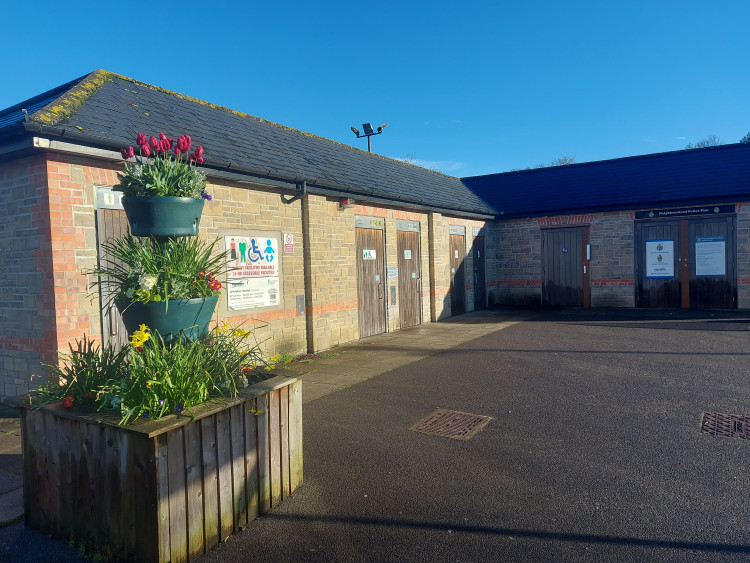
(452, 424)
(729, 425)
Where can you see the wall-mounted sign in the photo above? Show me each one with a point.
(711, 256)
(288, 243)
(368, 255)
(253, 271)
(404, 225)
(407, 254)
(248, 293)
(660, 258)
(392, 272)
(457, 230)
(364, 222)
(684, 211)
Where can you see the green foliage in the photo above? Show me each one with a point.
(152, 269)
(152, 378)
(84, 371)
(162, 176)
(745, 139)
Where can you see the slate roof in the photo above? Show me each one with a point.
(718, 174)
(106, 110)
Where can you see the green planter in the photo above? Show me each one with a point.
(169, 318)
(163, 216)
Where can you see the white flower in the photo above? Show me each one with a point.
(129, 293)
(148, 281)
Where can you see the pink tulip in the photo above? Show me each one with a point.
(141, 139)
(154, 143)
(145, 150)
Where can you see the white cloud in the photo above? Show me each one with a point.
(444, 166)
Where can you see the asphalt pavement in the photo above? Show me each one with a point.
(593, 450)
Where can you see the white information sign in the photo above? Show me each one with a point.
(368, 255)
(253, 276)
(248, 293)
(660, 258)
(710, 256)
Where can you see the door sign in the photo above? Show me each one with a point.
(660, 258)
(710, 256)
(368, 255)
(407, 254)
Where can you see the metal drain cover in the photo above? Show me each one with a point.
(729, 425)
(452, 424)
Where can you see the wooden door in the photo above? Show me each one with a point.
(370, 282)
(457, 246)
(113, 225)
(658, 264)
(409, 278)
(564, 263)
(477, 253)
(713, 263)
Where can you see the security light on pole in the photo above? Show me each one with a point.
(368, 132)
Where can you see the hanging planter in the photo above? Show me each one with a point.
(163, 216)
(169, 318)
(163, 189)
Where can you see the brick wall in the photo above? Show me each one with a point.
(27, 322)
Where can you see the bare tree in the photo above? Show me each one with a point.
(745, 139)
(710, 141)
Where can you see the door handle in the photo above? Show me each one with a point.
(380, 290)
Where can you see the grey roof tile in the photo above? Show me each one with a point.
(109, 110)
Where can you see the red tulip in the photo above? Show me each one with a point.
(145, 150)
(140, 138)
(124, 153)
(154, 143)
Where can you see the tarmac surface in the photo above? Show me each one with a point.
(593, 451)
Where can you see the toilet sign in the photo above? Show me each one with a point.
(368, 254)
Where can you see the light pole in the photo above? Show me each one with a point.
(368, 132)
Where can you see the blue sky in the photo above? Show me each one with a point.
(467, 88)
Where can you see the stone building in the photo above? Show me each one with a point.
(365, 244)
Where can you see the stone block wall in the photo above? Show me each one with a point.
(332, 287)
(612, 260)
(246, 210)
(517, 275)
(743, 255)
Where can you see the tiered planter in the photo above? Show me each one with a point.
(189, 316)
(164, 490)
(163, 216)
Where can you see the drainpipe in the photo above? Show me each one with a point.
(301, 192)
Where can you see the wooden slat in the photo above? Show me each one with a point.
(177, 496)
(284, 438)
(274, 445)
(99, 486)
(239, 495)
(90, 436)
(129, 486)
(251, 459)
(295, 435)
(114, 489)
(28, 445)
(145, 499)
(210, 482)
(224, 457)
(194, 490)
(264, 462)
(162, 471)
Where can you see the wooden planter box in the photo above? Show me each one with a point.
(164, 490)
